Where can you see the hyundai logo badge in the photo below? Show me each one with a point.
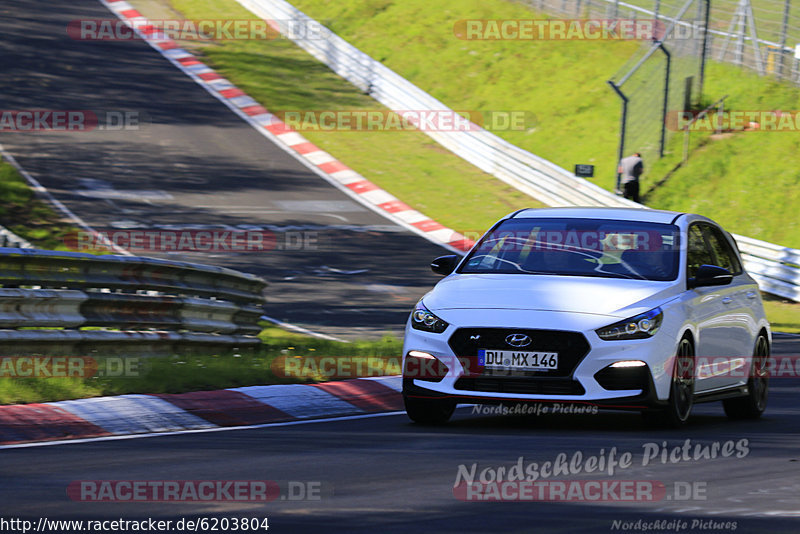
(518, 340)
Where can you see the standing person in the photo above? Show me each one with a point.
(629, 171)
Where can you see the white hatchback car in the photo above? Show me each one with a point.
(619, 308)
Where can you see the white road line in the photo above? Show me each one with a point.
(301, 330)
(41, 190)
(199, 431)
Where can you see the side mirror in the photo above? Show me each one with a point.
(445, 264)
(710, 275)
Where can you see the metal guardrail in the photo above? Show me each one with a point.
(770, 265)
(776, 268)
(137, 305)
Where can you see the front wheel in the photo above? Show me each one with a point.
(429, 411)
(754, 403)
(681, 392)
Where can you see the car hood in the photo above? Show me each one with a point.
(576, 294)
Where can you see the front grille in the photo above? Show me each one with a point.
(571, 347)
(524, 386)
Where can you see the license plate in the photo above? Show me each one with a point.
(513, 359)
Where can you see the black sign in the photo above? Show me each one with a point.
(584, 171)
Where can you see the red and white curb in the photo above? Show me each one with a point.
(321, 163)
(148, 414)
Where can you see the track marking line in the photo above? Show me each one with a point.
(43, 192)
(301, 330)
(197, 431)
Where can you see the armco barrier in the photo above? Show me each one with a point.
(777, 269)
(139, 305)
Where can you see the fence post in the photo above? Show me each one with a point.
(784, 30)
(666, 100)
(685, 144)
(621, 151)
(753, 37)
(704, 52)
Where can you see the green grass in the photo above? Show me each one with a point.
(28, 216)
(783, 315)
(749, 182)
(201, 372)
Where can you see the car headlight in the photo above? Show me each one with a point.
(642, 326)
(422, 319)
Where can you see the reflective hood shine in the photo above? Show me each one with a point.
(603, 296)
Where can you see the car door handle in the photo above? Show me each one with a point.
(752, 294)
(727, 300)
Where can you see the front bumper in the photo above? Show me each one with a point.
(583, 376)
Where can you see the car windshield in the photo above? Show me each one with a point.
(578, 247)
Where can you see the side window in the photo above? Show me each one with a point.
(725, 256)
(697, 253)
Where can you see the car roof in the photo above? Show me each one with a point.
(618, 214)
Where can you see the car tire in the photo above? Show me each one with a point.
(681, 391)
(429, 411)
(754, 403)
